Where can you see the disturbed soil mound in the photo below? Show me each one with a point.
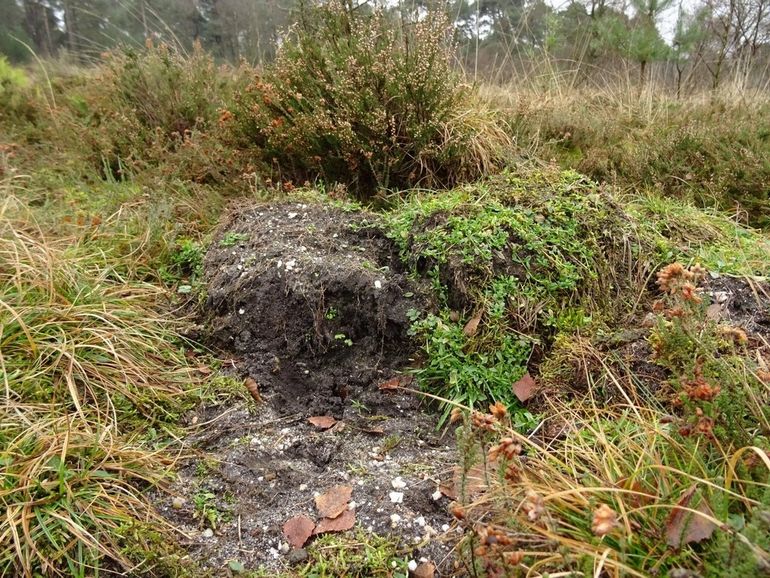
(311, 300)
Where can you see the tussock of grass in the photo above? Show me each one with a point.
(74, 332)
(86, 358)
(68, 492)
(712, 150)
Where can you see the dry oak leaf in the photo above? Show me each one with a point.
(333, 502)
(684, 526)
(322, 421)
(297, 530)
(472, 326)
(525, 388)
(605, 520)
(341, 523)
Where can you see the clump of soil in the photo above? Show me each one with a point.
(311, 300)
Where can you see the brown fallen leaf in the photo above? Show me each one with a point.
(341, 523)
(472, 326)
(396, 382)
(333, 502)
(322, 421)
(686, 527)
(448, 489)
(525, 388)
(297, 530)
(424, 570)
(391, 384)
(253, 388)
(204, 370)
(373, 430)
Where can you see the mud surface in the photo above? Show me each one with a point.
(310, 303)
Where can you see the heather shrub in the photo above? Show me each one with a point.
(151, 108)
(368, 100)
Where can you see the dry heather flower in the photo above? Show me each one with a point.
(668, 275)
(674, 312)
(513, 558)
(483, 421)
(458, 511)
(698, 272)
(498, 410)
(512, 473)
(456, 415)
(690, 293)
(533, 505)
(605, 520)
(507, 447)
(700, 389)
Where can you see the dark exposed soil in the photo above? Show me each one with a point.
(310, 302)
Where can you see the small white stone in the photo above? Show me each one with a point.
(290, 264)
(436, 495)
(241, 311)
(393, 564)
(397, 497)
(178, 503)
(398, 483)
(261, 479)
(378, 284)
(445, 528)
(424, 560)
(208, 533)
(352, 505)
(420, 521)
(292, 215)
(412, 565)
(302, 487)
(395, 519)
(284, 547)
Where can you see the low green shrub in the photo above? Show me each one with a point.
(362, 98)
(152, 109)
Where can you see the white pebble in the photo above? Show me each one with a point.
(420, 521)
(378, 284)
(436, 495)
(208, 533)
(412, 565)
(445, 528)
(241, 311)
(292, 215)
(395, 519)
(397, 497)
(177, 503)
(302, 487)
(352, 505)
(398, 484)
